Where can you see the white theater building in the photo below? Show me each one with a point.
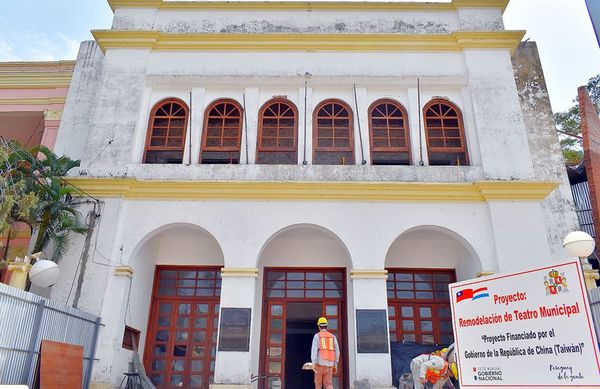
(297, 160)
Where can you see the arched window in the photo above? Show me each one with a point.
(222, 136)
(165, 141)
(333, 139)
(388, 125)
(277, 133)
(445, 134)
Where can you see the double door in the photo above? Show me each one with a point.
(182, 333)
(293, 301)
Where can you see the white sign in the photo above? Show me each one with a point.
(527, 329)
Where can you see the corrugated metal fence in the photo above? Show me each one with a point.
(583, 206)
(594, 297)
(27, 319)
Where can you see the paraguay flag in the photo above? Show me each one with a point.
(472, 294)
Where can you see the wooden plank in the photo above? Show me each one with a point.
(61, 365)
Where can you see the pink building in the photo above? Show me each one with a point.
(32, 98)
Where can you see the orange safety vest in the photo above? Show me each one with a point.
(433, 375)
(326, 346)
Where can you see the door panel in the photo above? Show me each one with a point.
(181, 345)
(283, 286)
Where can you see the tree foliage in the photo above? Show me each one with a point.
(33, 193)
(570, 123)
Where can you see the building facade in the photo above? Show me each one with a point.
(290, 160)
(32, 98)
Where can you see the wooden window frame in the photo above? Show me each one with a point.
(238, 147)
(150, 128)
(461, 128)
(415, 303)
(261, 117)
(350, 148)
(389, 149)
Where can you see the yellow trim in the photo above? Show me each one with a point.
(33, 101)
(370, 274)
(456, 41)
(33, 80)
(239, 272)
(485, 273)
(315, 191)
(307, 5)
(124, 271)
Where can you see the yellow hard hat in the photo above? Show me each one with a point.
(454, 370)
(322, 321)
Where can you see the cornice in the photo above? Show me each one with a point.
(456, 41)
(308, 5)
(482, 191)
(33, 101)
(34, 75)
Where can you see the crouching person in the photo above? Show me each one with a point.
(431, 370)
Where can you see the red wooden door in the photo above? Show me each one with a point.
(182, 333)
(283, 286)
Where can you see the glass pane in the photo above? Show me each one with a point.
(162, 336)
(314, 276)
(179, 351)
(423, 286)
(275, 338)
(444, 313)
(187, 274)
(197, 351)
(185, 309)
(276, 324)
(445, 326)
(177, 380)
(447, 339)
(187, 283)
(295, 293)
(392, 324)
(423, 277)
(277, 293)
(276, 310)
(200, 322)
(331, 310)
(405, 295)
(426, 326)
(314, 285)
(185, 292)
(166, 292)
(164, 321)
(195, 381)
(408, 325)
(314, 294)
(425, 312)
(404, 285)
(333, 293)
(158, 365)
(393, 337)
(202, 308)
(168, 274)
(178, 365)
(274, 367)
(425, 295)
(427, 339)
(295, 276)
(206, 274)
(200, 337)
(183, 322)
(160, 350)
(197, 365)
(332, 324)
(276, 275)
(407, 311)
(391, 311)
(165, 308)
(295, 285)
(274, 352)
(409, 338)
(333, 276)
(403, 277)
(157, 379)
(181, 336)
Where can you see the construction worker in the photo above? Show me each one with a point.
(430, 369)
(325, 355)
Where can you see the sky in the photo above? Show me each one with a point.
(41, 30)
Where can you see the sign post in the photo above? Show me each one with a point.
(528, 329)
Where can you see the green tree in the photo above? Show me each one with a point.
(569, 122)
(34, 194)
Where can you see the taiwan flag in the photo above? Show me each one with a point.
(465, 294)
(470, 294)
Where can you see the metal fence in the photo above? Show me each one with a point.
(583, 206)
(27, 319)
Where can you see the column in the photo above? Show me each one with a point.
(370, 292)
(197, 122)
(51, 122)
(305, 145)
(233, 368)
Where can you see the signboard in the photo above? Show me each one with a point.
(234, 331)
(371, 328)
(527, 329)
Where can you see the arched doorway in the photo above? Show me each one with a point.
(177, 288)
(421, 263)
(304, 275)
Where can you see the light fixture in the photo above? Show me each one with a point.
(579, 244)
(44, 273)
